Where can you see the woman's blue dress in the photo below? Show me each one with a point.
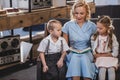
(79, 38)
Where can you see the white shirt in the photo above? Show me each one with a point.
(54, 47)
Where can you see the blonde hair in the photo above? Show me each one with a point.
(80, 3)
(107, 22)
(50, 26)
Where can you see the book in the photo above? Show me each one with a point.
(80, 51)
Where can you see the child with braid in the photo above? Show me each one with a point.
(105, 48)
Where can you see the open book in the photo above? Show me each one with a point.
(80, 51)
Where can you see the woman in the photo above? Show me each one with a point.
(77, 33)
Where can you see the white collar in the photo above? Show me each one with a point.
(49, 37)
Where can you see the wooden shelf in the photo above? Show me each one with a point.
(35, 17)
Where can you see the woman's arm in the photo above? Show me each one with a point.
(66, 37)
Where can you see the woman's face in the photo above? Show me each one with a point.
(80, 14)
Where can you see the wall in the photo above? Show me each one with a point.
(107, 2)
(111, 10)
(6, 3)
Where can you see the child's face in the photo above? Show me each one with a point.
(56, 32)
(102, 30)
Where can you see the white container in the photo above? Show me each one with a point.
(35, 4)
(58, 3)
(24, 4)
(25, 50)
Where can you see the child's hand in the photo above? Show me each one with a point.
(60, 63)
(94, 60)
(97, 55)
(45, 68)
(103, 55)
